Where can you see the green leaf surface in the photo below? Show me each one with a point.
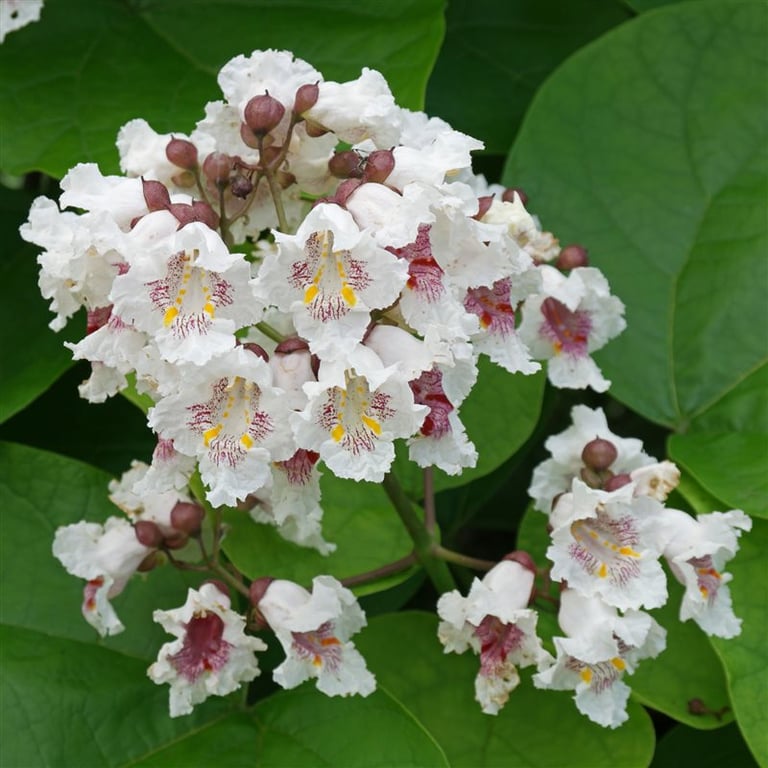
(746, 657)
(32, 356)
(500, 414)
(732, 466)
(67, 703)
(358, 518)
(649, 146)
(536, 728)
(158, 60)
(496, 55)
(687, 746)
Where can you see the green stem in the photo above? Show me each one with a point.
(270, 332)
(424, 542)
(403, 564)
(456, 557)
(430, 516)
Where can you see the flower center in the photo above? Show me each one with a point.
(497, 641)
(568, 331)
(707, 577)
(492, 306)
(600, 676)
(204, 649)
(604, 547)
(428, 390)
(320, 646)
(425, 276)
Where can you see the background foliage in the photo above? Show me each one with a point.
(635, 130)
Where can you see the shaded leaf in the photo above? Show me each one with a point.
(686, 746)
(158, 60)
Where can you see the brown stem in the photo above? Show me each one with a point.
(403, 564)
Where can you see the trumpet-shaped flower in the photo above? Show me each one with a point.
(211, 656)
(314, 630)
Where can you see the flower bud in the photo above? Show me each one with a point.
(176, 540)
(263, 114)
(241, 187)
(522, 557)
(219, 584)
(572, 256)
(599, 454)
(345, 190)
(257, 350)
(617, 481)
(509, 195)
(150, 562)
(256, 591)
(187, 517)
(346, 165)
(217, 167)
(250, 139)
(148, 533)
(314, 130)
(483, 204)
(204, 213)
(591, 477)
(379, 165)
(155, 195)
(306, 98)
(293, 344)
(182, 153)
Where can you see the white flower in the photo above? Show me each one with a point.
(184, 288)
(15, 14)
(697, 550)
(232, 419)
(494, 621)
(600, 647)
(603, 543)
(656, 480)
(106, 556)
(212, 655)
(314, 630)
(572, 317)
(553, 476)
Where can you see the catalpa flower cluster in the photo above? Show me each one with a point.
(306, 278)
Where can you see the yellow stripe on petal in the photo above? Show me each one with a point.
(209, 309)
(210, 434)
(586, 675)
(337, 433)
(170, 316)
(619, 664)
(310, 293)
(602, 571)
(247, 441)
(349, 296)
(372, 424)
(629, 552)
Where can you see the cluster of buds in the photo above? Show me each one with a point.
(309, 276)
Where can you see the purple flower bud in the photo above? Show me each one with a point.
(572, 256)
(257, 350)
(509, 195)
(256, 591)
(217, 167)
(599, 454)
(379, 165)
(182, 153)
(293, 344)
(241, 187)
(615, 482)
(263, 114)
(148, 533)
(187, 517)
(346, 165)
(250, 139)
(522, 557)
(345, 189)
(306, 98)
(176, 540)
(155, 195)
(204, 213)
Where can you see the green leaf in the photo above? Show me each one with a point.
(745, 658)
(686, 746)
(731, 466)
(500, 414)
(32, 356)
(64, 702)
(496, 55)
(649, 146)
(358, 518)
(115, 61)
(536, 728)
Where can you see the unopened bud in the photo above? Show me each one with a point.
(346, 165)
(184, 179)
(522, 557)
(148, 533)
(150, 562)
(187, 517)
(182, 153)
(241, 187)
(615, 482)
(293, 344)
(345, 190)
(314, 130)
(217, 167)
(176, 540)
(263, 114)
(591, 477)
(572, 256)
(204, 213)
(379, 165)
(306, 98)
(182, 212)
(250, 139)
(599, 454)
(256, 592)
(483, 204)
(257, 350)
(509, 195)
(155, 195)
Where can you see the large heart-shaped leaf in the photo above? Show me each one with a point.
(115, 61)
(649, 146)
